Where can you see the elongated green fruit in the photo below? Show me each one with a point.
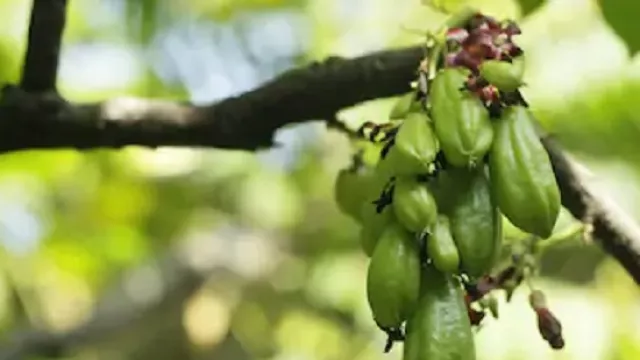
(461, 121)
(441, 247)
(373, 225)
(521, 172)
(439, 329)
(415, 145)
(393, 277)
(464, 195)
(506, 76)
(352, 189)
(404, 105)
(413, 205)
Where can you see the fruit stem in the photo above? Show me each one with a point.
(434, 59)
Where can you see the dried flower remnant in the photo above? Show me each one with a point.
(549, 326)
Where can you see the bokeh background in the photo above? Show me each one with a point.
(209, 254)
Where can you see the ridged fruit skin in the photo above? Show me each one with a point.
(461, 121)
(522, 175)
(464, 196)
(404, 105)
(393, 277)
(415, 145)
(373, 225)
(413, 204)
(506, 76)
(351, 189)
(439, 329)
(441, 248)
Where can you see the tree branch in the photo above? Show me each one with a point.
(45, 33)
(244, 122)
(616, 232)
(250, 120)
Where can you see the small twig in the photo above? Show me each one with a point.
(40, 68)
(334, 123)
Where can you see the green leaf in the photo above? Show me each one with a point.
(622, 17)
(529, 6)
(446, 6)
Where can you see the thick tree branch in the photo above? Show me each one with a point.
(245, 122)
(45, 33)
(249, 121)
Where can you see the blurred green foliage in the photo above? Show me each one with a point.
(620, 16)
(274, 269)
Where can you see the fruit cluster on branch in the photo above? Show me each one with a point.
(458, 154)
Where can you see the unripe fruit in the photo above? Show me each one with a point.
(393, 277)
(441, 247)
(373, 225)
(404, 105)
(351, 189)
(440, 328)
(413, 205)
(415, 145)
(522, 175)
(506, 76)
(461, 121)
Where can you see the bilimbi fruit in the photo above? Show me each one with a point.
(458, 154)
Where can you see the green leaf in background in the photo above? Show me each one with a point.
(445, 6)
(142, 18)
(529, 6)
(622, 17)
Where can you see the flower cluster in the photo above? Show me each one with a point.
(482, 38)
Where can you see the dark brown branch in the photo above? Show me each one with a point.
(43, 49)
(615, 231)
(249, 121)
(245, 122)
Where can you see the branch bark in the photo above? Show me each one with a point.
(244, 122)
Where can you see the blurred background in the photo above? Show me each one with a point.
(209, 254)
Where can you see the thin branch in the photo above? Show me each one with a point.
(43, 50)
(615, 230)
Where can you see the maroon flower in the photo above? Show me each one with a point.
(457, 35)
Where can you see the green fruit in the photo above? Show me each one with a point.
(373, 225)
(439, 329)
(504, 75)
(393, 277)
(351, 189)
(404, 105)
(413, 204)
(522, 176)
(441, 247)
(464, 196)
(461, 121)
(415, 146)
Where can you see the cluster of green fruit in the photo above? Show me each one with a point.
(459, 153)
